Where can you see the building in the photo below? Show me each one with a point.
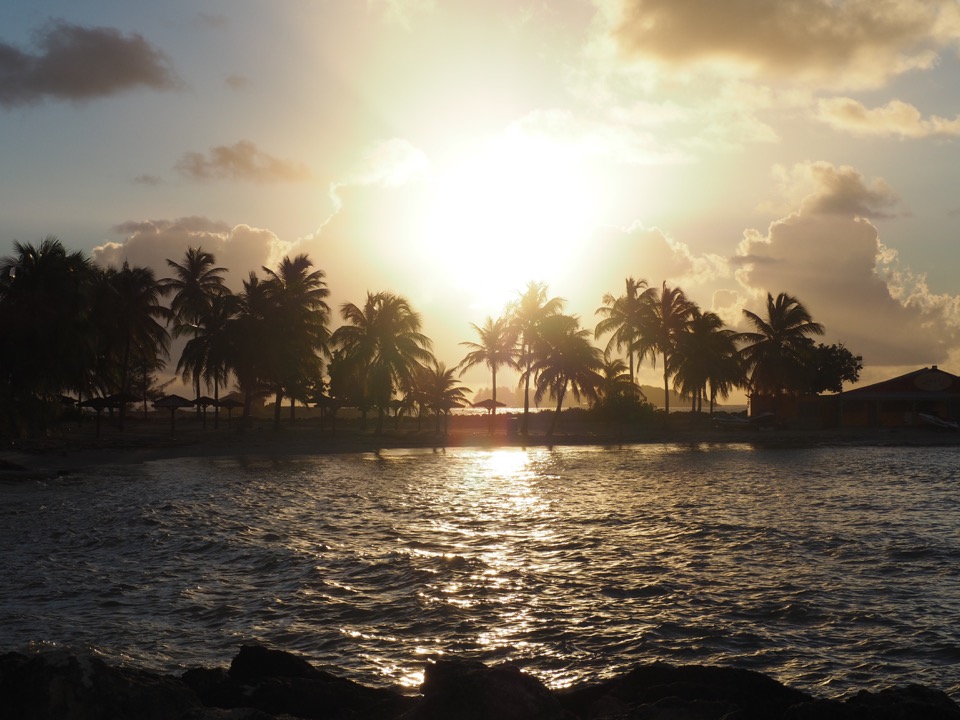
(901, 401)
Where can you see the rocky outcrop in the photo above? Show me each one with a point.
(267, 684)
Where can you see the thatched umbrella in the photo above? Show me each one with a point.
(98, 404)
(173, 402)
(489, 404)
(230, 403)
(203, 402)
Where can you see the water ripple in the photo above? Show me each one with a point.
(827, 568)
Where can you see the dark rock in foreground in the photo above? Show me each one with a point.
(265, 684)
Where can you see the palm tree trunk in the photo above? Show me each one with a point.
(526, 400)
(666, 389)
(556, 415)
(493, 414)
(216, 402)
(379, 428)
(276, 409)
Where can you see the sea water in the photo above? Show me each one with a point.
(829, 568)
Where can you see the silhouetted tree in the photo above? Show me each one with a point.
(250, 338)
(623, 319)
(441, 391)
(195, 283)
(830, 366)
(384, 338)
(301, 315)
(707, 362)
(139, 320)
(775, 352)
(527, 315)
(45, 326)
(565, 359)
(497, 348)
(665, 315)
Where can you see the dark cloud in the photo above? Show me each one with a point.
(241, 161)
(844, 191)
(147, 179)
(78, 63)
(214, 21)
(856, 42)
(238, 82)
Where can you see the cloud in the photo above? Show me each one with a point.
(402, 12)
(829, 256)
(78, 63)
(389, 163)
(238, 82)
(643, 253)
(895, 118)
(239, 248)
(147, 179)
(214, 21)
(241, 161)
(825, 189)
(855, 43)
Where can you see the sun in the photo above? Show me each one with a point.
(516, 208)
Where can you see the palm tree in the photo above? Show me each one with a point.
(136, 316)
(497, 348)
(702, 347)
(45, 314)
(248, 341)
(384, 338)
(623, 319)
(441, 391)
(565, 360)
(665, 315)
(774, 352)
(615, 382)
(216, 338)
(301, 314)
(196, 282)
(527, 315)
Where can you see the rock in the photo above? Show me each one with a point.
(254, 662)
(278, 682)
(267, 684)
(719, 692)
(57, 686)
(469, 690)
(903, 703)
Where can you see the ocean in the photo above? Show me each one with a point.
(831, 569)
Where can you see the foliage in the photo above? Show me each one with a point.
(384, 341)
(497, 348)
(565, 360)
(623, 319)
(776, 352)
(527, 315)
(830, 366)
(665, 316)
(81, 329)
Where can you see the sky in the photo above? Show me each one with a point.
(453, 150)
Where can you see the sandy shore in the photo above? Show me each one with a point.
(72, 447)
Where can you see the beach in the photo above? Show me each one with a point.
(70, 447)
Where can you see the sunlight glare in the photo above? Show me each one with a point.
(507, 212)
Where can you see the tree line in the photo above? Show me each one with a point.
(69, 326)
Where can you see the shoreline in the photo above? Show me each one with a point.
(71, 449)
(268, 683)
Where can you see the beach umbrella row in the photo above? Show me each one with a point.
(175, 402)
